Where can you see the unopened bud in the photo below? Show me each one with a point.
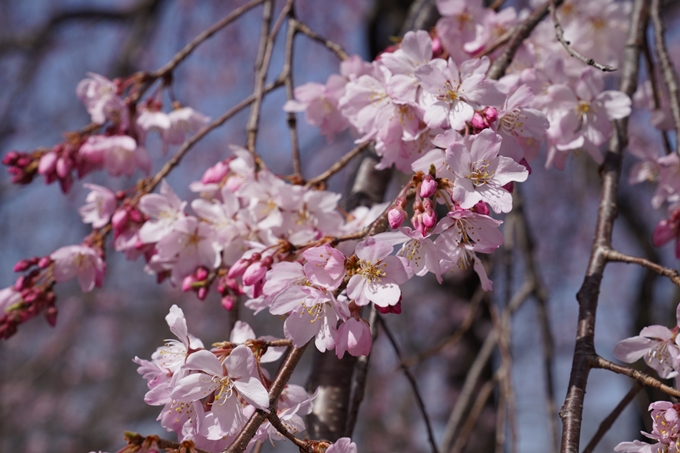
(228, 302)
(491, 114)
(202, 293)
(44, 262)
(396, 217)
(428, 187)
(51, 315)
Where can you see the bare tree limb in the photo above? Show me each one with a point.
(413, 383)
(611, 418)
(559, 34)
(670, 77)
(572, 409)
(672, 274)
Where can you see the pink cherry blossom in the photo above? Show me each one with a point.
(481, 173)
(325, 266)
(164, 210)
(450, 95)
(320, 104)
(120, 154)
(236, 377)
(101, 205)
(79, 261)
(99, 95)
(343, 445)
(378, 275)
(182, 121)
(656, 344)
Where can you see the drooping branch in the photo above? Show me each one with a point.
(521, 33)
(670, 77)
(559, 34)
(672, 274)
(587, 296)
(611, 418)
(414, 385)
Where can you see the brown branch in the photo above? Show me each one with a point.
(672, 274)
(139, 440)
(291, 118)
(359, 378)
(651, 73)
(559, 34)
(471, 420)
(206, 34)
(572, 409)
(283, 376)
(413, 383)
(525, 239)
(177, 157)
(330, 45)
(467, 393)
(456, 336)
(522, 32)
(336, 167)
(598, 362)
(611, 418)
(670, 77)
(261, 67)
(38, 37)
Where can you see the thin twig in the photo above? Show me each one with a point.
(336, 167)
(471, 421)
(598, 362)
(207, 33)
(611, 418)
(359, 378)
(467, 393)
(291, 118)
(414, 385)
(261, 66)
(276, 423)
(456, 336)
(139, 440)
(521, 32)
(656, 98)
(572, 409)
(672, 274)
(559, 34)
(330, 45)
(177, 157)
(670, 77)
(525, 239)
(241, 442)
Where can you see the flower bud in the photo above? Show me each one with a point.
(47, 163)
(480, 208)
(202, 293)
(228, 302)
(491, 114)
(22, 265)
(396, 217)
(215, 173)
(254, 273)
(201, 274)
(44, 262)
(238, 268)
(428, 187)
(478, 121)
(51, 315)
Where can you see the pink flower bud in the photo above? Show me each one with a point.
(396, 217)
(10, 158)
(187, 283)
(428, 187)
(478, 121)
(239, 268)
(437, 48)
(119, 220)
(201, 274)
(491, 114)
(257, 288)
(228, 302)
(215, 173)
(202, 293)
(429, 219)
(22, 265)
(44, 262)
(135, 215)
(51, 315)
(47, 163)
(254, 273)
(663, 233)
(63, 168)
(481, 208)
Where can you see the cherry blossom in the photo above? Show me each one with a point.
(79, 261)
(656, 344)
(101, 205)
(377, 276)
